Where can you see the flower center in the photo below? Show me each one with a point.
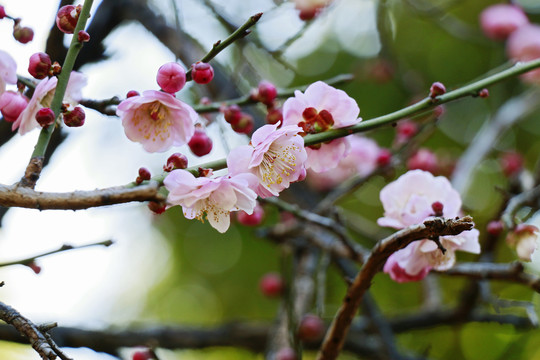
(278, 162)
(316, 121)
(156, 111)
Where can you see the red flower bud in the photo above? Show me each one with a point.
(436, 89)
(202, 73)
(495, 228)
(171, 77)
(2, 12)
(23, 34)
(132, 93)
(311, 328)
(176, 161)
(40, 64)
(384, 158)
(271, 285)
(232, 114)
(75, 117)
(144, 174)
(274, 116)
(254, 219)
(45, 117)
(83, 36)
(244, 125)
(200, 144)
(67, 17)
(266, 93)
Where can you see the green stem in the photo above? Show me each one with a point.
(427, 103)
(221, 45)
(56, 105)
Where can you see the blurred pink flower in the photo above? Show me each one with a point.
(12, 104)
(322, 107)
(408, 201)
(215, 198)
(275, 156)
(8, 71)
(524, 45)
(500, 20)
(361, 161)
(524, 238)
(157, 120)
(310, 8)
(42, 98)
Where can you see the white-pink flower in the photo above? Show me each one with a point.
(42, 98)
(157, 120)
(408, 201)
(361, 161)
(320, 108)
(275, 156)
(214, 198)
(8, 71)
(524, 45)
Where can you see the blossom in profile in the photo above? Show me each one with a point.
(524, 239)
(275, 156)
(500, 20)
(411, 200)
(157, 120)
(213, 198)
(42, 98)
(12, 104)
(8, 71)
(320, 108)
(524, 45)
(361, 161)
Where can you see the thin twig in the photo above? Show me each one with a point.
(62, 248)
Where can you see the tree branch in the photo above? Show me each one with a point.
(336, 335)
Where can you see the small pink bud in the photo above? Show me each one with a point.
(205, 172)
(75, 117)
(438, 208)
(144, 175)
(500, 20)
(274, 116)
(436, 89)
(35, 267)
(40, 64)
(254, 219)
(67, 17)
(425, 160)
(384, 158)
(405, 130)
(202, 73)
(266, 93)
(83, 36)
(495, 227)
(157, 207)
(311, 328)
(271, 285)
(45, 117)
(12, 104)
(244, 125)
(23, 34)
(176, 161)
(171, 77)
(200, 144)
(2, 12)
(232, 114)
(524, 45)
(286, 354)
(484, 93)
(132, 93)
(511, 163)
(308, 14)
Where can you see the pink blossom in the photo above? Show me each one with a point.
(215, 198)
(524, 238)
(524, 45)
(42, 98)
(12, 104)
(275, 156)
(8, 71)
(408, 201)
(320, 108)
(157, 120)
(361, 161)
(500, 20)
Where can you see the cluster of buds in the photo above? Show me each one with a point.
(240, 122)
(266, 93)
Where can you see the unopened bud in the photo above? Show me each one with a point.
(176, 161)
(40, 64)
(83, 36)
(45, 117)
(202, 73)
(75, 117)
(144, 175)
(23, 34)
(436, 89)
(67, 17)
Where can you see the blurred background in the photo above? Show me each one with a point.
(166, 270)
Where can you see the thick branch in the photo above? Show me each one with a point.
(336, 335)
(16, 196)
